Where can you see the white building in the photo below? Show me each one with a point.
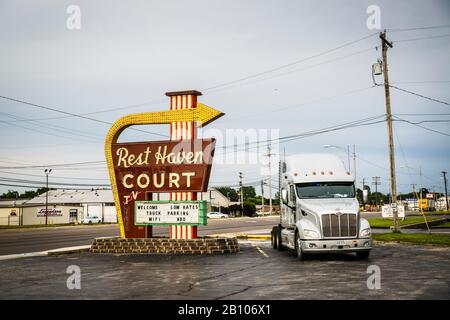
(95, 203)
(19, 213)
(440, 204)
(215, 199)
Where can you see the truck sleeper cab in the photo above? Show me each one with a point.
(319, 212)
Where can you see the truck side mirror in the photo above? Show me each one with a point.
(284, 196)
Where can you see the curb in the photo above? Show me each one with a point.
(421, 225)
(68, 250)
(53, 252)
(253, 237)
(406, 243)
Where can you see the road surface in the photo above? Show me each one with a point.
(42, 239)
(256, 272)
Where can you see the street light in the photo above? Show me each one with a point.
(47, 172)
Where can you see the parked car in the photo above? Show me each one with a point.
(216, 215)
(91, 220)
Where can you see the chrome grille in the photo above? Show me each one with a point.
(339, 225)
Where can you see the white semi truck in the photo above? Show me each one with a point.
(319, 211)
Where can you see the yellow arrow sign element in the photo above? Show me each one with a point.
(202, 114)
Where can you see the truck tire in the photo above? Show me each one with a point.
(274, 238)
(298, 249)
(279, 241)
(363, 255)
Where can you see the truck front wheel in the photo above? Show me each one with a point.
(298, 248)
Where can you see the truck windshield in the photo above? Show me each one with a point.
(325, 190)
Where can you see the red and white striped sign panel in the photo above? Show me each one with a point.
(183, 131)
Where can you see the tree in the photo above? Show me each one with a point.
(229, 192)
(249, 209)
(11, 194)
(359, 195)
(249, 192)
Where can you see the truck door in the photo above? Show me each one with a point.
(292, 205)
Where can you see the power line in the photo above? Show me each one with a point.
(54, 183)
(57, 177)
(425, 128)
(288, 64)
(94, 112)
(51, 133)
(425, 121)
(55, 165)
(421, 82)
(419, 28)
(420, 95)
(302, 104)
(422, 114)
(37, 187)
(356, 123)
(73, 114)
(422, 38)
(295, 70)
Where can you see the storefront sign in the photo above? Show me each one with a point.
(387, 211)
(163, 165)
(138, 170)
(170, 212)
(51, 212)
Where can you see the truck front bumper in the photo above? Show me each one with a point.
(336, 245)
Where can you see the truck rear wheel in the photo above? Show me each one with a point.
(279, 241)
(274, 238)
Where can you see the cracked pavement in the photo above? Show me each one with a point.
(407, 272)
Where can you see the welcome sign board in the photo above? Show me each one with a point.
(170, 212)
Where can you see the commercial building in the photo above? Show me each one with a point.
(94, 203)
(215, 199)
(20, 213)
(11, 211)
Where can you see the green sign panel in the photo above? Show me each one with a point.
(186, 213)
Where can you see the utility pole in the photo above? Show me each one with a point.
(269, 154)
(47, 172)
(354, 163)
(385, 44)
(414, 194)
(262, 195)
(444, 173)
(363, 184)
(242, 192)
(376, 181)
(348, 158)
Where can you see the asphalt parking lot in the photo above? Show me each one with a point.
(257, 272)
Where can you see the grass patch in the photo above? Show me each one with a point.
(431, 213)
(386, 223)
(443, 225)
(433, 239)
(36, 226)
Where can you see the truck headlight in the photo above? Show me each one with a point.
(311, 234)
(365, 233)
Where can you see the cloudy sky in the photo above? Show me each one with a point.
(266, 64)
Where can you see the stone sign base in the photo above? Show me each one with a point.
(204, 245)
